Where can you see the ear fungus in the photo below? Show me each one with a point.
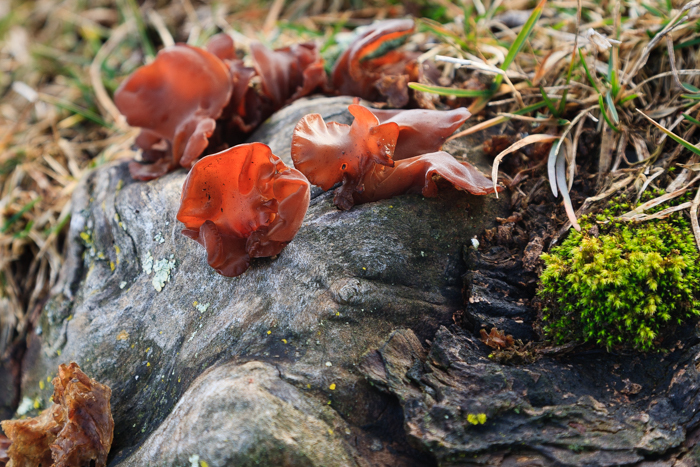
(176, 100)
(242, 203)
(362, 156)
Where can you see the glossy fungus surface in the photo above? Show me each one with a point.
(288, 73)
(176, 100)
(329, 153)
(242, 203)
(422, 131)
(361, 157)
(368, 71)
(76, 430)
(417, 175)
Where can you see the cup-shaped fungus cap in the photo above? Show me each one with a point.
(360, 72)
(422, 131)
(329, 153)
(242, 203)
(177, 98)
(288, 73)
(361, 157)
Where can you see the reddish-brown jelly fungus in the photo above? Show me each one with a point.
(242, 203)
(361, 157)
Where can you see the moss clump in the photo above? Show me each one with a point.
(624, 286)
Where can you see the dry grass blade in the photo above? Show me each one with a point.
(646, 183)
(672, 61)
(672, 24)
(635, 213)
(561, 182)
(694, 217)
(531, 139)
(663, 214)
(100, 92)
(673, 136)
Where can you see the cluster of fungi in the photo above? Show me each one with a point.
(241, 201)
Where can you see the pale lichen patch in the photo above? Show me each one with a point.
(161, 270)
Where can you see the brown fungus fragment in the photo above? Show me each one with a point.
(366, 70)
(496, 339)
(242, 203)
(76, 431)
(176, 100)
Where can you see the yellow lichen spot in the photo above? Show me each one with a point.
(148, 363)
(284, 341)
(37, 404)
(148, 350)
(178, 379)
(330, 432)
(195, 303)
(269, 332)
(120, 184)
(337, 313)
(308, 386)
(132, 345)
(85, 236)
(476, 419)
(111, 265)
(391, 206)
(332, 387)
(203, 464)
(122, 336)
(161, 332)
(364, 269)
(117, 249)
(329, 402)
(70, 317)
(41, 385)
(58, 352)
(51, 398)
(48, 379)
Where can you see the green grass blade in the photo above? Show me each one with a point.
(18, 215)
(588, 73)
(520, 40)
(530, 108)
(605, 114)
(653, 11)
(442, 91)
(438, 30)
(628, 98)
(611, 106)
(691, 119)
(689, 43)
(85, 113)
(691, 88)
(131, 9)
(673, 136)
(550, 105)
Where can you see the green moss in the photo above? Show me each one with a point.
(625, 286)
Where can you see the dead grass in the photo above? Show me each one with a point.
(61, 61)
